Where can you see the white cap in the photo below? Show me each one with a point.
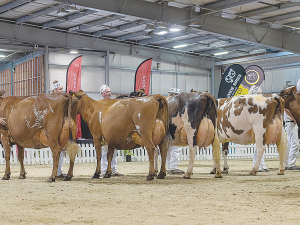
(298, 85)
(174, 91)
(103, 88)
(254, 90)
(56, 85)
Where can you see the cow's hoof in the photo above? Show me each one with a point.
(161, 175)
(253, 173)
(225, 171)
(96, 176)
(67, 178)
(150, 177)
(280, 172)
(186, 177)
(218, 175)
(22, 176)
(213, 171)
(6, 178)
(50, 180)
(107, 175)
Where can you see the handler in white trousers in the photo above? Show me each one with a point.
(106, 94)
(57, 87)
(173, 156)
(262, 165)
(291, 129)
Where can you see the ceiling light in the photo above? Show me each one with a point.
(221, 53)
(180, 46)
(162, 32)
(2, 56)
(174, 28)
(73, 51)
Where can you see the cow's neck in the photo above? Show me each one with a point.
(86, 108)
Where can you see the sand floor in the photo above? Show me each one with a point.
(237, 198)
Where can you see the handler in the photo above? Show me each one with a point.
(57, 87)
(106, 94)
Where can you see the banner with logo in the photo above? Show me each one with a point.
(254, 76)
(74, 84)
(231, 80)
(142, 76)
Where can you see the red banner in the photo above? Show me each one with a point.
(142, 76)
(74, 84)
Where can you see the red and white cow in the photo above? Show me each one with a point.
(249, 119)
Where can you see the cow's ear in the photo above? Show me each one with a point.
(293, 89)
(2, 92)
(71, 92)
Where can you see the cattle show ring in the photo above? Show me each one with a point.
(149, 112)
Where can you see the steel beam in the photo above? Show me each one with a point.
(68, 18)
(13, 5)
(37, 14)
(54, 38)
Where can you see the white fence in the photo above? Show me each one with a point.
(88, 154)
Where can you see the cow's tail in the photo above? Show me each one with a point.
(279, 107)
(71, 147)
(211, 108)
(163, 113)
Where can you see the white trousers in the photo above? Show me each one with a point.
(173, 157)
(60, 163)
(104, 162)
(293, 143)
(262, 164)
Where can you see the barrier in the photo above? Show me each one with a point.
(88, 154)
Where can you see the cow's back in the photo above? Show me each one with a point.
(240, 118)
(29, 117)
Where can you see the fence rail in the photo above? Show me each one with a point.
(88, 154)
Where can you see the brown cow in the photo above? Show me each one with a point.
(126, 124)
(292, 103)
(193, 123)
(38, 122)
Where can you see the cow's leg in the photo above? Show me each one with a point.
(260, 151)
(21, 160)
(97, 144)
(163, 152)
(281, 148)
(224, 154)
(150, 150)
(216, 154)
(110, 154)
(189, 171)
(155, 161)
(6, 147)
(55, 153)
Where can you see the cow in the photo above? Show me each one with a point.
(249, 119)
(292, 103)
(39, 121)
(192, 122)
(126, 124)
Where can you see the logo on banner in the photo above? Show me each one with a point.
(254, 76)
(231, 80)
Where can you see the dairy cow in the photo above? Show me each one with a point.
(249, 119)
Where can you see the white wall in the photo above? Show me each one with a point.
(121, 81)
(275, 80)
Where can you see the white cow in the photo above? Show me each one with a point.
(249, 119)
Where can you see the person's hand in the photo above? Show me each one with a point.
(3, 122)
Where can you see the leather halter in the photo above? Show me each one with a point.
(81, 96)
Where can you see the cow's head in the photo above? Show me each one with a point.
(288, 92)
(78, 94)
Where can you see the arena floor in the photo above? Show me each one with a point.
(237, 198)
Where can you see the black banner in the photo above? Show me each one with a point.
(231, 80)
